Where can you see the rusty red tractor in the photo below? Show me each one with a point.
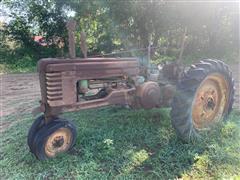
(199, 96)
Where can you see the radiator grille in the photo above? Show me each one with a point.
(54, 88)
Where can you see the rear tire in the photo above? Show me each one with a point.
(204, 95)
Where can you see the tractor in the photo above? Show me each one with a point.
(199, 96)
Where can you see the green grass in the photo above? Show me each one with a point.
(117, 143)
(14, 68)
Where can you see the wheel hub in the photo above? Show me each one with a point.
(58, 142)
(210, 104)
(210, 100)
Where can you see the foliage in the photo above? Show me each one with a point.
(117, 143)
(112, 25)
(22, 65)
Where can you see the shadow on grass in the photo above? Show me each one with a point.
(125, 144)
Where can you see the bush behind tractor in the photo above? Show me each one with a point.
(199, 95)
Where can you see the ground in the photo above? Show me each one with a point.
(114, 142)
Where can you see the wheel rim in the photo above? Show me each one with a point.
(57, 142)
(210, 101)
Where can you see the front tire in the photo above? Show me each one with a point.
(204, 95)
(37, 124)
(54, 138)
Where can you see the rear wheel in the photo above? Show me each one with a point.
(204, 96)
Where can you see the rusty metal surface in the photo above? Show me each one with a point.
(83, 44)
(210, 101)
(149, 95)
(57, 142)
(59, 78)
(47, 61)
(71, 25)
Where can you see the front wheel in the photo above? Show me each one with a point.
(54, 138)
(204, 95)
(37, 124)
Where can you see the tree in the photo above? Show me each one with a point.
(110, 25)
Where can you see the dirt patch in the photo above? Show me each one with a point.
(20, 93)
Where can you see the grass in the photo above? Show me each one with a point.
(118, 143)
(14, 68)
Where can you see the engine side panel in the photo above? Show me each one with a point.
(58, 79)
